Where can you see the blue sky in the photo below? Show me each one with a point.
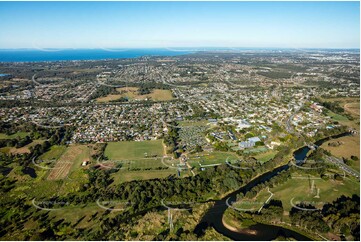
(179, 24)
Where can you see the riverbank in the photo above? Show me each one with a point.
(300, 152)
(214, 216)
(239, 230)
(307, 233)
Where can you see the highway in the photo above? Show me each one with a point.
(339, 162)
(43, 85)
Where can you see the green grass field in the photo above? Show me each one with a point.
(36, 188)
(18, 134)
(130, 150)
(215, 157)
(41, 186)
(73, 155)
(73, 214)
(145, 163)
(253, 203)
(300, 190)
(54, 153)
(336, 117)
(125, 175)
(255, 150)
(68, 214)
(264, 157)
(132, 155)
(79, 157)
(76, 176)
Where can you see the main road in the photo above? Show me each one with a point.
(339, 162)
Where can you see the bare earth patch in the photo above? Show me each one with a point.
(26, 148)
(71, 156)
(109, 98)
(353, 108)
(132, 94)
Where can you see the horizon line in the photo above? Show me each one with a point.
(168, 47)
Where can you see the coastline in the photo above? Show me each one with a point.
(100, 54)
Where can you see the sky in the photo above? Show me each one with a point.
(179, 24)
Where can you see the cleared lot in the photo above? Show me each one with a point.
(71, 158)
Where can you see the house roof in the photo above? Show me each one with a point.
(254, 139)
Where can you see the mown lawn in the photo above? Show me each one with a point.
(145, 163)
(130, 150)
(215, 157)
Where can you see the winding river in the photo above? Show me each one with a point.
(214, 215)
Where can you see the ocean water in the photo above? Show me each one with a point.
(32, 55)
(27, 55)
